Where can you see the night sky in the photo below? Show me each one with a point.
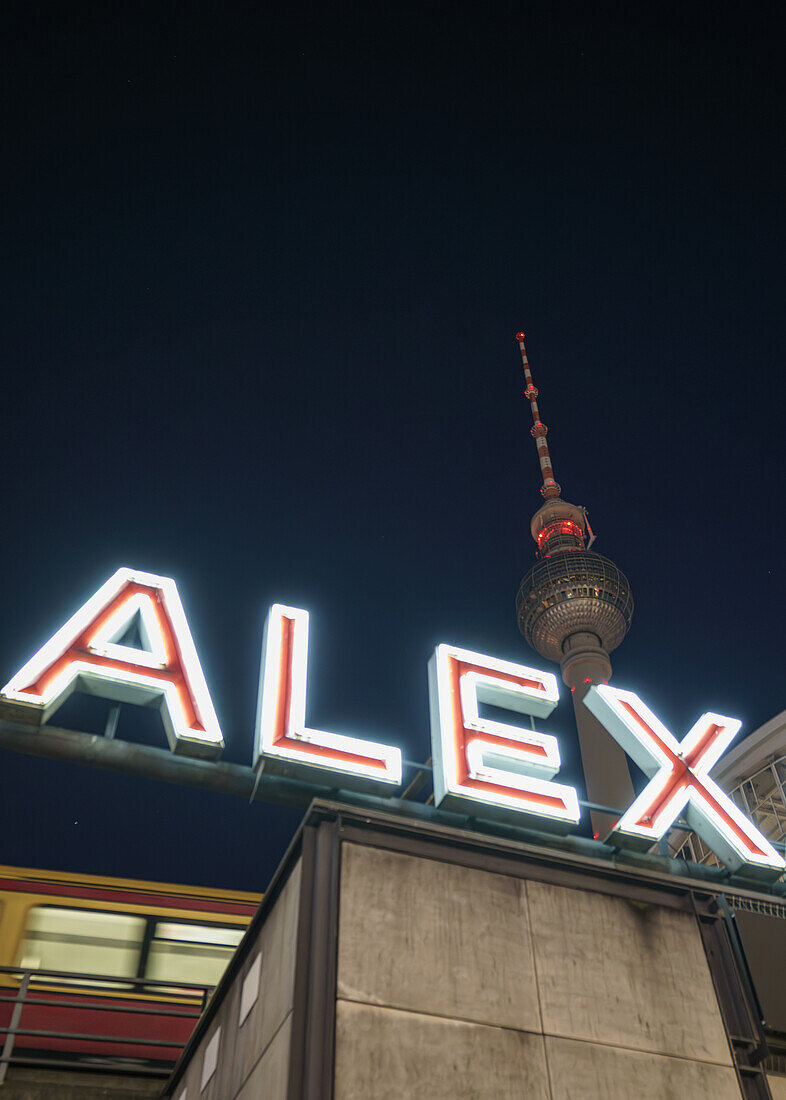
(262, 268)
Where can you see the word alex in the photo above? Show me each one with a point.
(485, 767)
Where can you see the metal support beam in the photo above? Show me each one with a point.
(240, 780)
(51, 742)
(111, 722)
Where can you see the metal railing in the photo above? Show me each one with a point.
(89, 987)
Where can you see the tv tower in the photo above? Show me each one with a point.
(575, 607)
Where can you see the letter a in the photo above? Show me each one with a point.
(88, 653)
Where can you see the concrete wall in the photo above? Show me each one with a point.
(431, 966)
(252, 1058)
(23, 1083)
(777, 1086)
(456, 983)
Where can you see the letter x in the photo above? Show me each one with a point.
(680, 781)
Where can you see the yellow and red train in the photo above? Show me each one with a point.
(109, 969)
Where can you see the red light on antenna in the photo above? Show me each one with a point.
(596, 836)
(520, 336)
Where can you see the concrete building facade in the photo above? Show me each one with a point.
(395, 958)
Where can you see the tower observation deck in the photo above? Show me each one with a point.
(575, 607)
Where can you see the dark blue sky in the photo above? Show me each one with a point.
(262, 270)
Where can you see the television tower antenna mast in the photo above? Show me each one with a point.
(549, 489)
(574, 607)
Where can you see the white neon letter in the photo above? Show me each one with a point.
(679, 780)
(284, 743)
(87, 652)
(487, 767)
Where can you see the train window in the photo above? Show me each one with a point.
(191, 952)
(82, 941)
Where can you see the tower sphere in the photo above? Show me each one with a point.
(573, 592)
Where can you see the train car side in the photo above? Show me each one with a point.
(132, 962)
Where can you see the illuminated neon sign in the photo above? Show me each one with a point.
(283, 743)
(88, 652)
(679, 780)
(482, 766)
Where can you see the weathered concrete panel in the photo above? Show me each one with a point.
(242, 1046)
(32, 1083)
(388, 1055)
(777, 1086)
(270, 1077)
(580, 1070)
(616, 971)
(435, 938)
